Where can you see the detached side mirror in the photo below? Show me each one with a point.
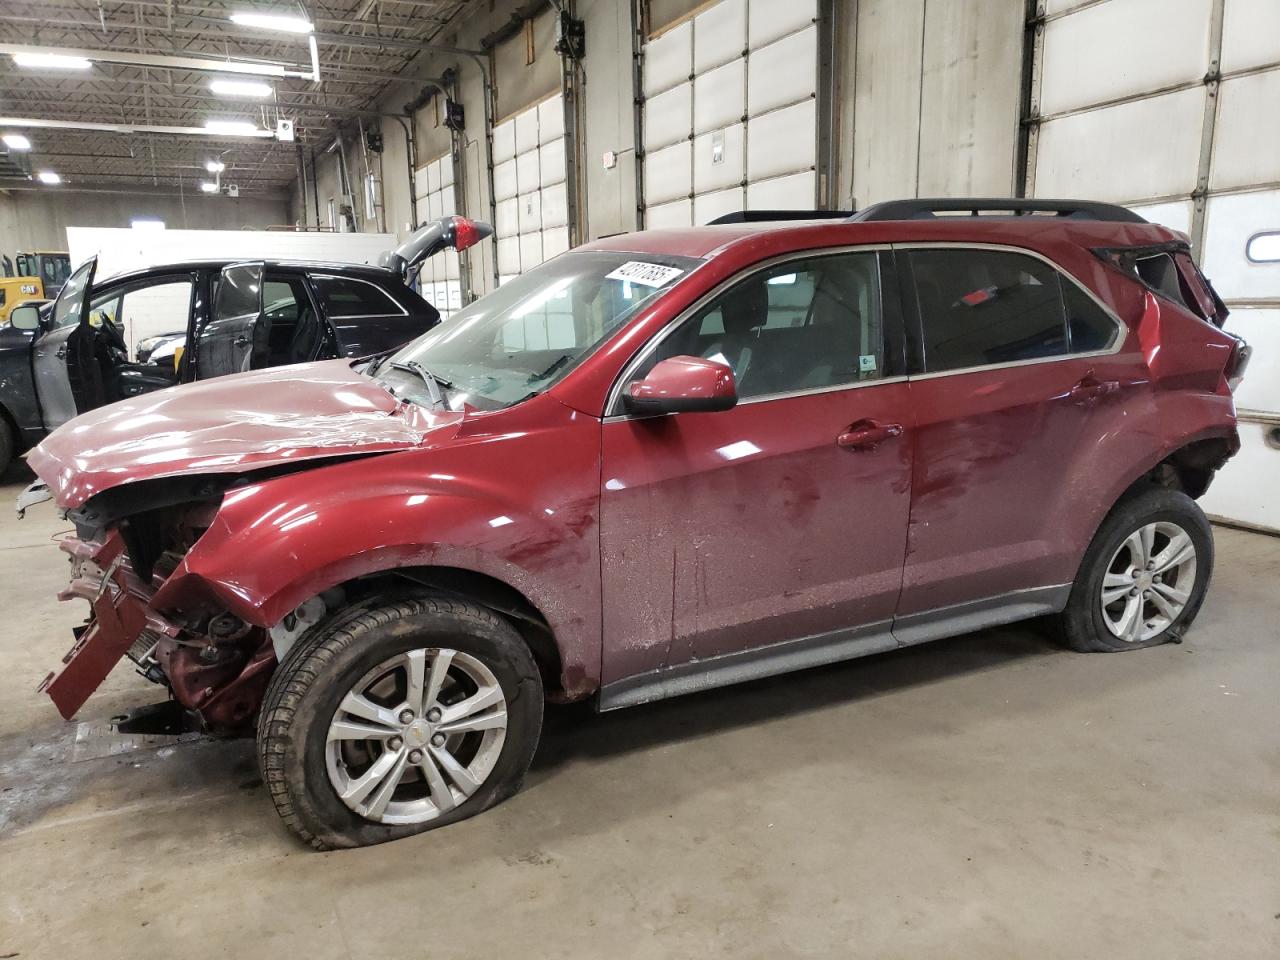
(25, 316)
(682, 385)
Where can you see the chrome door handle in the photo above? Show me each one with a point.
(868, 434)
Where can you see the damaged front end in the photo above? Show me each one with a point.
(127, 543)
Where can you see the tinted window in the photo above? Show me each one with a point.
(347, 297)
(804, 325)
(981, 307)
(66, 310)
(239, 292)
(1091, 327)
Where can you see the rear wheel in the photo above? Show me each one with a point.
(399, 718)
(1144, 577)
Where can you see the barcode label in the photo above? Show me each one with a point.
(645, 274)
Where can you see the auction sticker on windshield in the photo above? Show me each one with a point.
(645, 274)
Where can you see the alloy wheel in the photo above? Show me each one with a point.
(1148, 582)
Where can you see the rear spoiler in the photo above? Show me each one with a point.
(428, 240)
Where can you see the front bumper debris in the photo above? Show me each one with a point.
(37, 492)
(121, 612)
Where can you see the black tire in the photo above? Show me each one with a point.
(8, 445)
(324, 665)
(1082, 625)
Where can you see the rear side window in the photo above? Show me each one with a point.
(349, 297)
(1090, 327)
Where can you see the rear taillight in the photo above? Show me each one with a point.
(1238, 363)
(465, 233)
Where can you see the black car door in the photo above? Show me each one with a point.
(69, 378)
(226, 341)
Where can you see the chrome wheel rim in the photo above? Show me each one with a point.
(416, 736)
(1148, 582)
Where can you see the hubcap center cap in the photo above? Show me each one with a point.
(1144, 581)
(418, 733)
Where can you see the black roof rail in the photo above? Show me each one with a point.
(996, 206)
(765, 216)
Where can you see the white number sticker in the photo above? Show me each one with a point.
(645, 274)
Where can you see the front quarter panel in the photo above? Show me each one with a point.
(514, 496)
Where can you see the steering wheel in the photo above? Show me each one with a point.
(111, 333)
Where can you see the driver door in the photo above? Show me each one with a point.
(68, 377)
(226, 341)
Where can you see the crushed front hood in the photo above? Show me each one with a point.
(230, 425)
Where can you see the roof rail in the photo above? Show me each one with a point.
(764, 216)
(997, 206)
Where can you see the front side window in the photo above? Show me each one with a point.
(66, 310)
(347, 297)
(804, 325)
(525, 336)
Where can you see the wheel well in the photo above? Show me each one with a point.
(487, 591)
(1190, 468)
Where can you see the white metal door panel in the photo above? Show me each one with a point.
(677, 214)
(1230, 221)
(1260, 326)
(708, 206)
(718, 159)
(719, 96)
(507, 219)
(795, 192)
(526, 131)
(719, 34)
(668, 117)
(551, 163)
(1245, 489)
(433, 177)
(1174, 214)
(509, 255)
(770, 20)
(1250, 32)
(667, 174)
(668, 59)
(530, 214)
(555, 206)
(1246, 140)
(783, 72)
(527, 176)
(504, 141)
(523, 185)
(504, 180)
(530, 250)
(1109, 154)
(554, 242)
(551, 119)
(777, 141)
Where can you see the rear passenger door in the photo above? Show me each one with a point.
(226, 341)
(1015, 371)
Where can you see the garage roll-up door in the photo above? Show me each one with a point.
(730, 112)
(532, 222)
(439, 276)
(1185, 134)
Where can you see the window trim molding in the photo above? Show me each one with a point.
(613, 405)
(1122, 328)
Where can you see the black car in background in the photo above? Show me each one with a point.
(231, 317)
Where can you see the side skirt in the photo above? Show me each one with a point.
(825, 648)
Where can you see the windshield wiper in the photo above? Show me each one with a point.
(534, 378)
(433, 382)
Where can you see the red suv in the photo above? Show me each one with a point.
(658, 463)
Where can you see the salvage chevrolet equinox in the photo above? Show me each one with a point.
(658, 463)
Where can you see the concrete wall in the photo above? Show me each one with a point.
(38, 219)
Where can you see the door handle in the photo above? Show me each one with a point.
(1089, 389)
(62, 352)
(868, 434)
(242, 341)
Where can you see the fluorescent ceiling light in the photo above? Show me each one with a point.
(208, 186)
(147, 224)
(286, 22)
(55, 61)
(215, 166)
(242, 128)
(16, 141)
(48, 176)
(240, 88)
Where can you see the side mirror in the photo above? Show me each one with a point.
(25, 316)
(682, 385)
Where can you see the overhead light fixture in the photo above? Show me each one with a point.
(215, 166)
(234, 128)
(48, 176)
(240, 88)
(16, 141)
(147, 224)
(284, 22)
(52, 61)
(208, 186)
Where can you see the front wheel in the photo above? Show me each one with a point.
(1144, 576)
(399, 718)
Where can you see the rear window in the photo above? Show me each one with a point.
(349, 297)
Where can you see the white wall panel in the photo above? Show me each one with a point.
(668, 117)
(555, 206)
(1174, 214)
(773, 141)
(783, 72)
(504, 180)
(667, 174)
(1108, 154)
(668, 60)
(1246, 145)
(1250, 34)
(719, 34)
(796, 192)
(1123, 47)
(712, 174)
(677, 214)
(708, 206)
(1229, 223)
(719, 96)
(768, 20)
(504, 141)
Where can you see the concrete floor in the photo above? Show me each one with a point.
(988, 797)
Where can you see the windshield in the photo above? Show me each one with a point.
(525, 336)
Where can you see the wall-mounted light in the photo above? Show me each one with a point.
(234, 128)
(147, 224)
(51, 61)
(16, 141)
(48, 176)
(240, 88)
(208, 186)
(284, 22)
(215, 166)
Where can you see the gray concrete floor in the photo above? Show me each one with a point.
(987, 797)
